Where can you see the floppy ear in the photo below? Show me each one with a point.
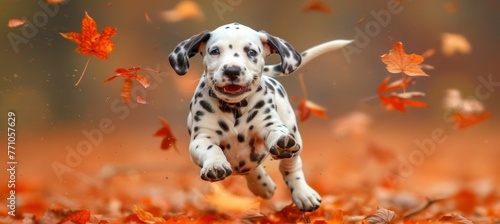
(179, 58)
(290, 58)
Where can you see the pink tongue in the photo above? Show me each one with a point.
(232, 88)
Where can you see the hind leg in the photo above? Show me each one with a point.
(260, 184)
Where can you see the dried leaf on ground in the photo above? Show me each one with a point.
(455, 218)
(399, 62)
(226, 202)
(381, 216)
(147, 217)
(78, 217)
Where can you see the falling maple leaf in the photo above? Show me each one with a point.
(184, 10)
(78, 217)
(316, 5)
(16, 22)
(307, 107)
(452, 43)
(464, 112)
(397, 101)
(129, 74)
(399, 62)
(166, 133)
(90, 42)
(467, 120)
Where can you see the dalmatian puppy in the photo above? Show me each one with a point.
(239, 114)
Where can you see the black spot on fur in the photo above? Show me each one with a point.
(242, 163)
(252, 116)
(219, 132)
(202, 85)
(241, 138)
(258, 177)
(223, 125)
(209, 147)
(267, 110)
(294, 128)
(230, 46)
(236, 55)
(268, 117)
(250, 128)
(282, 94)
(269, 124)
(266, 69)
(196, 129)
(206, 105)
(259, 104)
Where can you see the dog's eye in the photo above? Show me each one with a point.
(251, 53)
(214, 51)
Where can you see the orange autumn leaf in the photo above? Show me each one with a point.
(452, 43)
(184, 10)
(337, 218)
(15, 22)
(381, 216)
(398, 101)
(307, 108)
(316, 5)
(398, 61)
(227, 202)
(166, 133)
(129, 74)
(147, 217)
(467, 120)
(78, 217)
(90, 42)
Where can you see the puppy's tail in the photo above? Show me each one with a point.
(308, 55)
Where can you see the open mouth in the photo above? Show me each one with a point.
(232, 89)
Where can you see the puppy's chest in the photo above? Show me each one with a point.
(242, 144)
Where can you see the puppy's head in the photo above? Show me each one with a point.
(233, 57)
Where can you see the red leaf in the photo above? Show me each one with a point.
(15, 22)
(168, 137)
(128, 74)
(467, 120)
(90, 42)
(316, 5)
(78, 217)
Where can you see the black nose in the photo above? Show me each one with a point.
(232, 72)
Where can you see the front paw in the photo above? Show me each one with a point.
(306, 199)
(215, 171)
(285, 147)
